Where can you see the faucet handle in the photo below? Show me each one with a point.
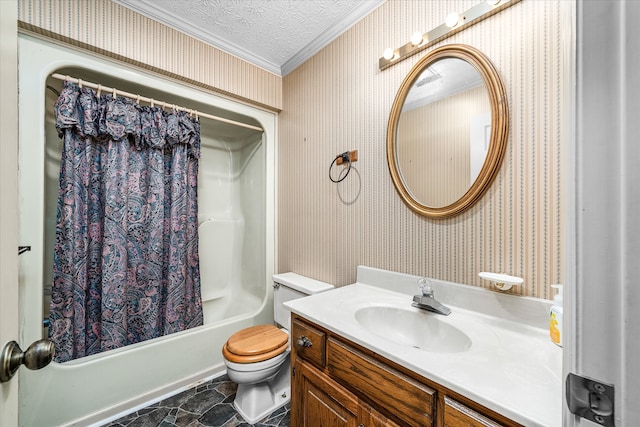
(425, 286)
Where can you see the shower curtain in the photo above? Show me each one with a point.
(126, 263)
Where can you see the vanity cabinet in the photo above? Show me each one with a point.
(338, 383)
(320, 401)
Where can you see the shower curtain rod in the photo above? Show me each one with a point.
(152, 101)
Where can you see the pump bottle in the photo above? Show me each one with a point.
(555, 317)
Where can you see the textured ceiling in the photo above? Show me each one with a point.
(277, 35)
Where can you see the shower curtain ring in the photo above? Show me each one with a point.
(115, 93)
(80, 83)
(138, 99)
(99, 90)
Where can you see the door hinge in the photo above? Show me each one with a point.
(293, 372)
(590, 399)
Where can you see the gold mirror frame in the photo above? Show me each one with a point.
(499, 129)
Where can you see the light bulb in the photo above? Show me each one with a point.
(388, 54)
(452, 19)
(416, 38)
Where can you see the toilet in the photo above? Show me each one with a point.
(257, 358)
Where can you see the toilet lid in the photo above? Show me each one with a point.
(255, 344)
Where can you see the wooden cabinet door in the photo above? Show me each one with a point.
(369, 417)
(320, 401)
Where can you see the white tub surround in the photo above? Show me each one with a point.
(511, 366)
(236, 203)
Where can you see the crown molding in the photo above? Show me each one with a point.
(329, 35)
(149, 9)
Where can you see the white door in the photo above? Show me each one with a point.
(603, 310)
(8, 200)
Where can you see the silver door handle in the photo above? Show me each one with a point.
(37, 356)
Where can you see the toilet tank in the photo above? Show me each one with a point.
(289, 286)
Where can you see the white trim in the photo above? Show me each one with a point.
(605, 316)
(568, 135)
(149, 8)
(329, 35)
(9, 316)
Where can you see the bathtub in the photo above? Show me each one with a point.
(236, 218)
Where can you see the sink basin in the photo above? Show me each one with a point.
(421, 330)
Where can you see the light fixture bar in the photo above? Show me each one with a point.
(477, 13)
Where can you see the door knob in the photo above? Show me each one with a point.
(38, 355)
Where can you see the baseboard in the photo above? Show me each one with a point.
(121, 409)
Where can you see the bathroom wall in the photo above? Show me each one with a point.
(109, 29)
(339, 100)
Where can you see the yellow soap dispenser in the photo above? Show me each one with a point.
(555, 317)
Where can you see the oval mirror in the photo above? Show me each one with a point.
(447, 131)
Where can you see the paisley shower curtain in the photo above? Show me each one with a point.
(126, 263)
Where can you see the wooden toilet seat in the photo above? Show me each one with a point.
(255, 344)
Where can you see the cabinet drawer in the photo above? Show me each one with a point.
(412, 402)
(309, 342)
(458, 415)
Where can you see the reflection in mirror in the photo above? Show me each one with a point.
(447, 131)
(439, 158)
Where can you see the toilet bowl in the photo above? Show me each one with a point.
(257, 358)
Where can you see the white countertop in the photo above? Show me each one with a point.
(511, 367)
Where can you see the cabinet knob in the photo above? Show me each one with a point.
(304, 342)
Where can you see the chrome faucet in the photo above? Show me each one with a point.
(426, 301)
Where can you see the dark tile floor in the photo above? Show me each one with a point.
(209, 404)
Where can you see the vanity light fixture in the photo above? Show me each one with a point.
(388, 54)
(454, 23)
(416, 38)
(452, 19)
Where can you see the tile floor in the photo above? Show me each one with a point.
(209, 404)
